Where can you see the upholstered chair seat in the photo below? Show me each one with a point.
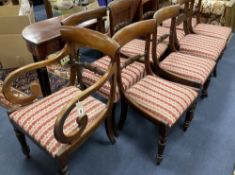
(190, 67)
(163, 30)
(194, 57)
(130, 75)
(38, 119)
(167, 23)
(163, 100)
(202, 46)
(137, 46)
(221, 32)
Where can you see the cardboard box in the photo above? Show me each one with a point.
(13, 50)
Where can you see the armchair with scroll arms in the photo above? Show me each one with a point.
(62, 121)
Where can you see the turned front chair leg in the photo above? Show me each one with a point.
(115, 131)
(189, 117)
(215, 71)
(205, 89)
(109, 129)
(62, 165)
(163, 132)
(21, 138)
(123, 114)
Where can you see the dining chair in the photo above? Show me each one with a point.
(62, 121)
(161, 101)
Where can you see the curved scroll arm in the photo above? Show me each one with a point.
(34, 87)
(62, 116)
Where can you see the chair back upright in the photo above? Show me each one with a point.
(193, 11)
(170, 12)
(188, 13)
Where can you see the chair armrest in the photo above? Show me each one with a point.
(35, 88)
(61, 118)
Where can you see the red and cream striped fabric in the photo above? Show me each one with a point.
(180, 34)
(130, 75)
(187, 66)
(137, 46)
(202, 46)
(163, 30)
(38, 119)
(164, 101)
(220, 32)
(167, 23)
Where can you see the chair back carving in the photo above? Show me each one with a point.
(122, 13)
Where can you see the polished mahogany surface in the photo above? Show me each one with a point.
(43, 38)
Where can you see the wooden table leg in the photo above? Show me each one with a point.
(44, 80)
(48, 8)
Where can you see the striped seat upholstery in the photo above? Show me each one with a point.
(164, 101)
(202, 46)
(163, 30)
(130, 75)
(38, 119)
(137, 46)
(220, 32)
(167, 23)
(187, 66)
